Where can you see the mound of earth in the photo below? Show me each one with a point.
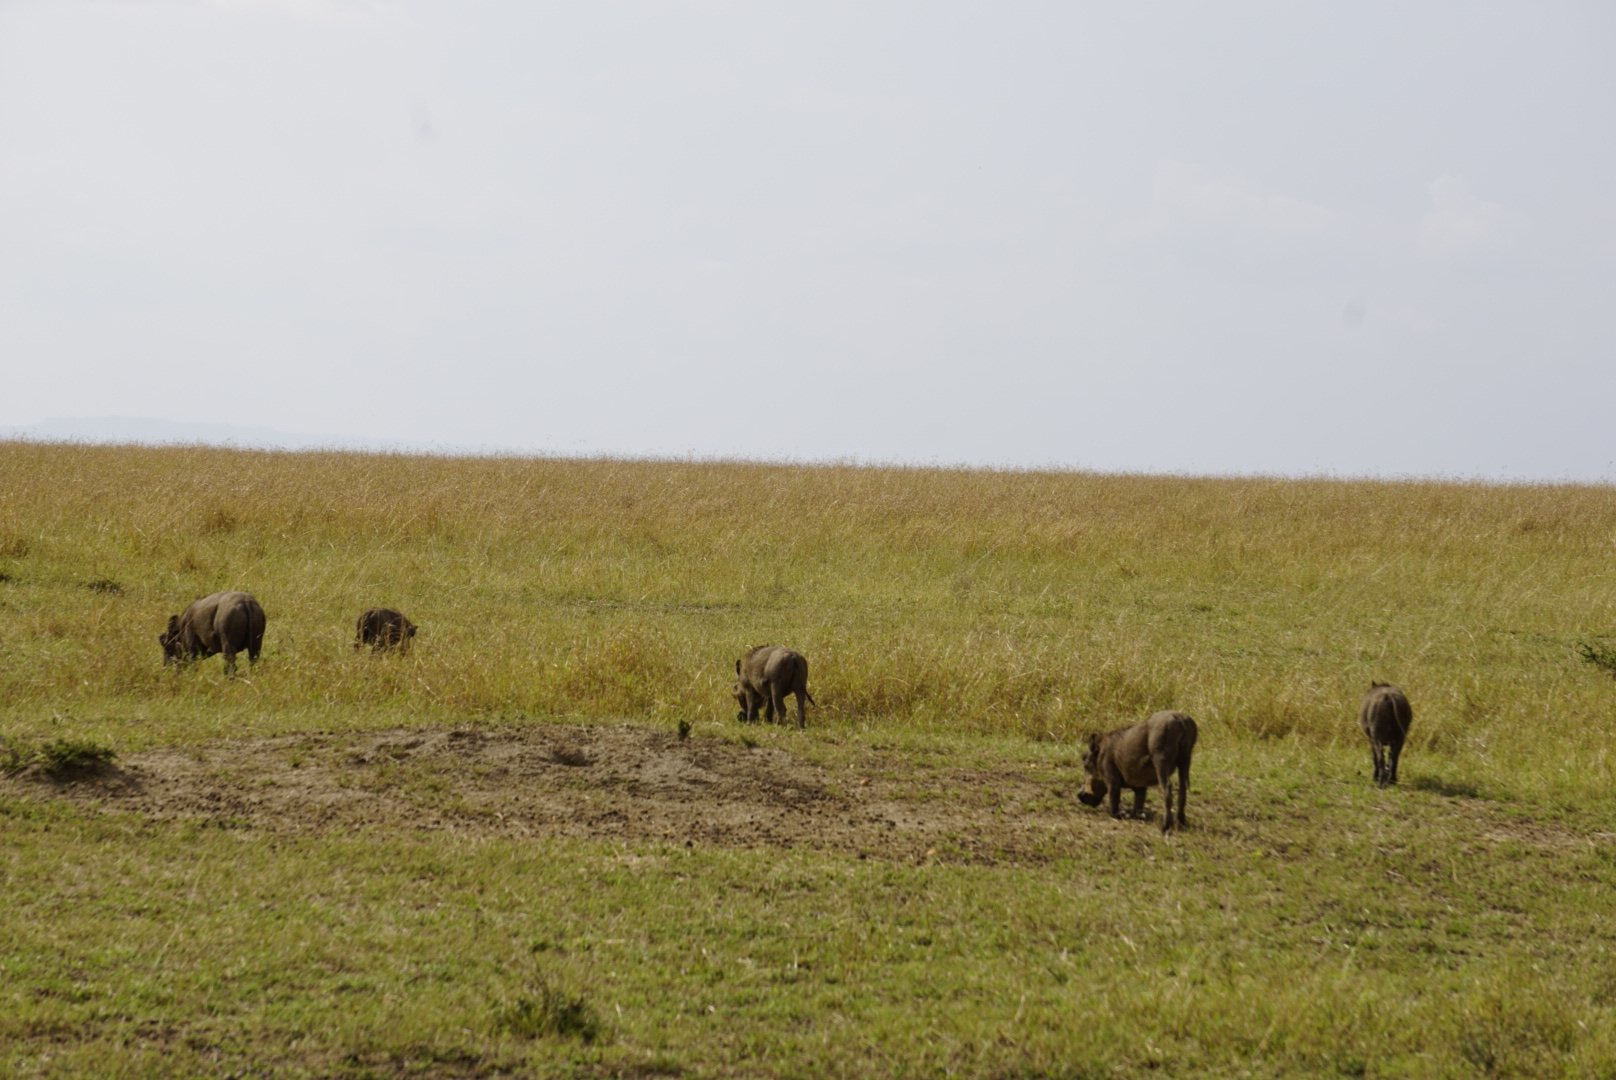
(617, 782)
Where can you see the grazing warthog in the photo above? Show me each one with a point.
(1385, 717)
(765, 675)
(226, 622)
(383, 628)
(1139, 757)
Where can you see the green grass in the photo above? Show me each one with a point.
(1305, 925)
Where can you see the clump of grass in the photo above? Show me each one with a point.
(684, 730)
(66, 757)
(60, 758)
(13, 547)
(14, 756)
(219, 520)
(104, 585)
(547, 1012)
(1600, 656)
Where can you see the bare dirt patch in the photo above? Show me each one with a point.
(616, 782)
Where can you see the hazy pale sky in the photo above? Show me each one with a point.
(1262, 237)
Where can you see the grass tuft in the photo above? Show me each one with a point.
(543, 1011)
(66, 757)
(104, 585)
(60, 758)
(14, 756)
(1600, 656)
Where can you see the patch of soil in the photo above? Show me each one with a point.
(618, 782)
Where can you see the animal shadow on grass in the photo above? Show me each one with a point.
(1451, 788)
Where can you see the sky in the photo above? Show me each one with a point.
(1278, 238)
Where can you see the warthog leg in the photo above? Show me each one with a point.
(1377, 755)
(1164, 777)
(1113, 784)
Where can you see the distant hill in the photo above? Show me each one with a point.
(149, 431)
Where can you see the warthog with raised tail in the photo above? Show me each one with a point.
(225, 622)
(764, 676)
(1385, 717)
(383, 628)
(1138, 757)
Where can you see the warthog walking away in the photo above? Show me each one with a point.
(1385, 717)
(765, 675)
(226, 622)
(383, 628)
(1139, 757)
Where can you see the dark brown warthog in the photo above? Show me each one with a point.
(1139, 757)
(226, 622)
(765, 675)
(1385, 717)
(383, 628)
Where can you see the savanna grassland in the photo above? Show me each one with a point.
(963, 629)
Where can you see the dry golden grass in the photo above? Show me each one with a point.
(1032, 604)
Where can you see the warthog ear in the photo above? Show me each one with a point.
(1094, 743)
(173, 624)
(737, 667)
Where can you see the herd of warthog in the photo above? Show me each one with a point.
(1138, 757)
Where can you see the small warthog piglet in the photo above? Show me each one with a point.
(383, 628)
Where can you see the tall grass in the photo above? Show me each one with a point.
(1034, 604)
